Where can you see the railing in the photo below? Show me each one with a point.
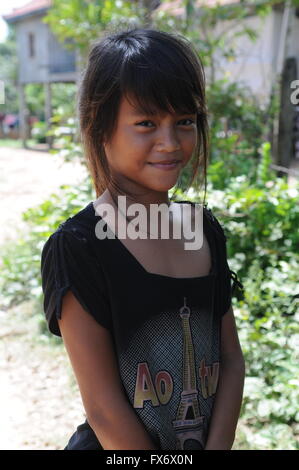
(285, 170)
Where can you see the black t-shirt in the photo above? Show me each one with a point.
(166, 331)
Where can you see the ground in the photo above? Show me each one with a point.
(40, 404)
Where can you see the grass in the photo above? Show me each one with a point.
(10, 143)
(16, 143)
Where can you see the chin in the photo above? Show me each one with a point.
(162, 184)
(162, 188)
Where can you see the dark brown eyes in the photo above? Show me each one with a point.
(182, 120)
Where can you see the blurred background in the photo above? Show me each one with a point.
(250, 51)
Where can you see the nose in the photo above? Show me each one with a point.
(168, 141)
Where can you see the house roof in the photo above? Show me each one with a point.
(35, 7)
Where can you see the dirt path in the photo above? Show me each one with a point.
(40, 401)
(40, 404)
(27, 177)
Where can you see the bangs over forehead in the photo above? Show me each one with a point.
(160, 80)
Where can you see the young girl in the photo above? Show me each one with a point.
(148, 325)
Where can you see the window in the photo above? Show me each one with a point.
(31, 45)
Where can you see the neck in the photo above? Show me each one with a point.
(146, 198)
(110, 197)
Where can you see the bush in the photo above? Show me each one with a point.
(39, 132)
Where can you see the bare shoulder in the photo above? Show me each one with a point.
(230, 344)
(91, 352)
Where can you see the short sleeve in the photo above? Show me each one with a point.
(67, 262)
(224, 288)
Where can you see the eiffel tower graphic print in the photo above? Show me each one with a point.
(188, 425)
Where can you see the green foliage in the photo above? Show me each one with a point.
(82, 21)
(270, 347)
(34, 93)
(262, 245)
(239, 125)
(261, 222)
(10, 143)
(263, 171)
(233, 107)
(39, 131)
(8, 73)
(64, 132)
(200, 25)
(62, 96)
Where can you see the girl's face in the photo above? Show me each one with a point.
(140, 141)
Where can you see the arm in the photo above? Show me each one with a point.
(229, 393)
(90, 349)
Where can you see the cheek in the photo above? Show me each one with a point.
(128, 150)
(188, 142)
(135, 143)
(141, 140)
(192, 138)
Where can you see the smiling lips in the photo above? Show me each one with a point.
(166, 165)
